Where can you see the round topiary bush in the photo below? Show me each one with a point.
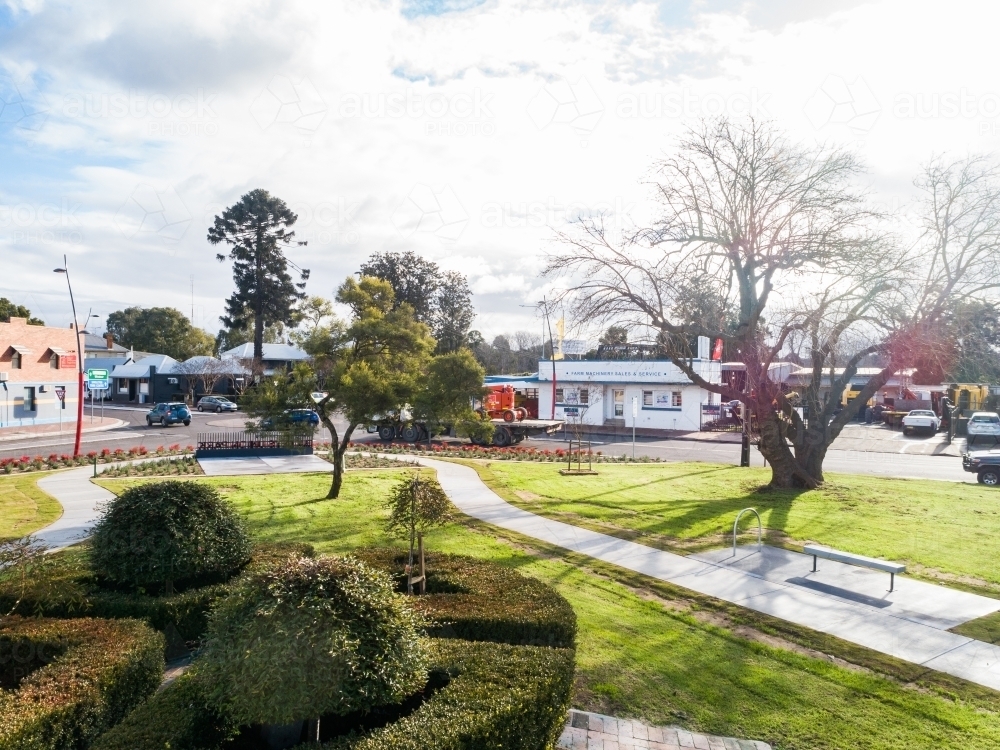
(311, 637)
(164, 532)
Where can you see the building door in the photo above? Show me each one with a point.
(618, 399)
(131, 389)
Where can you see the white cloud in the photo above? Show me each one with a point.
(388, 132)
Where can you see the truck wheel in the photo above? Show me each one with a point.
(508, 415)
(502, 437)
(989, 477)
(522, 413)
(410, 433)
(385, 432)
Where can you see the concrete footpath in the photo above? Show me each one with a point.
(910, 623)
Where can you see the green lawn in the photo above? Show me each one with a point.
(652, 652)
(942, 530)
(24, 508)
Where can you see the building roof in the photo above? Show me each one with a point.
(202, 363)
(140, 369)
(269, 353)
(92, 342)
(103, 363)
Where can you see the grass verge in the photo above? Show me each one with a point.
(944, 531)
(649, 650)
(24, 508)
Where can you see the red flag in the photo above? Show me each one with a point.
(717, 352)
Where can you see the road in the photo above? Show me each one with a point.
(892, 458)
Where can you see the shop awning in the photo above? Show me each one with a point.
(20, 349)
(57, 350)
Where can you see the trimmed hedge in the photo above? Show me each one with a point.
(72, 590)
(500, 697)
(84, 676)
(163, 532)
(476, 600)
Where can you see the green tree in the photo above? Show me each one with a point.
(9, 310)
(257, 230)
(414, 280)
(415, 506)
(160, 330)
(372, 365)
(453, 313)
(452, 381)
(615, 335)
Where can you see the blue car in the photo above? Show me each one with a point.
(294, 416)
(168, 414)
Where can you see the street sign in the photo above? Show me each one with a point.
(96, 374)
(97, 380)
(318, 396)
(98, 385)
(635, 407)
(60, 392)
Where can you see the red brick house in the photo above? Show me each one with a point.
(37, 363)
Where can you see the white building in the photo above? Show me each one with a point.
(603, 392)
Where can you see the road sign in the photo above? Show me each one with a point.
(98, 385)
(97, 374)
(318, 396)
(60, 392)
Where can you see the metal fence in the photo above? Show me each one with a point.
(254, 441)
(725, 418)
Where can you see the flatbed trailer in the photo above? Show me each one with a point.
(512, 433)
(504, 433)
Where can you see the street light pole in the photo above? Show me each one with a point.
(79, 360)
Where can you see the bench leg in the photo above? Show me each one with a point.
(892, 582)
(814, 564)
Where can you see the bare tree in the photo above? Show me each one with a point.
(770, 246)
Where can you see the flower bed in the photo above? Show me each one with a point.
(70, 680)
(23, 464)
(163, 467)
(492, 452)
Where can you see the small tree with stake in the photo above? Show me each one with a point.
(415, 506)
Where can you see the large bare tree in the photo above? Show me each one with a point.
(771, 246)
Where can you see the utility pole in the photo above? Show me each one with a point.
(79, 360)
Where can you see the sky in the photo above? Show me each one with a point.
(470, 131)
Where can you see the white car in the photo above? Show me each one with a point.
(984, 424)
(921, 419)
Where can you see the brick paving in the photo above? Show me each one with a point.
(590, 731)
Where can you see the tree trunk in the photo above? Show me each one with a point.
(801, 468)
(339, 448)
(258, 337)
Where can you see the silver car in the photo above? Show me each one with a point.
(217, 404)
(984, 424)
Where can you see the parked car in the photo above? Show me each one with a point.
(921, 419)
(216, 404)
(168, 414)
(984, 424)
(295, 416)
(986, 464)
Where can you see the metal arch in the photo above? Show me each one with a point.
(736, 524)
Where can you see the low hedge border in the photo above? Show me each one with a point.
(476, 600)
(500, 697)
(95, 672)
(72, 590)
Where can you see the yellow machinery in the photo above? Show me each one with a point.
(968, 397)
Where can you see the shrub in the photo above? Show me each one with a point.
(310, 637)
(83, 677)
(498, 697)
(168, 531)
(67, 587)
(478, 600)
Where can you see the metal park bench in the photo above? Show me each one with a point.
(851, 559)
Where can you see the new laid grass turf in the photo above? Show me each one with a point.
(940, 529)
(646, 652)
(24, 508)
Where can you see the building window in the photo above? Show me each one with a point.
(584, 396)
(559, 395)
(15, 361)
(647, 398)
(675, 398)
(29, 398)
(54, 361)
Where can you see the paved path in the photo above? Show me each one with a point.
(904, 624)
(81, 500)
(590, 731)
(216, 467)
